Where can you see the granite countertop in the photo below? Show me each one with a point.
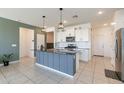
(63, 51)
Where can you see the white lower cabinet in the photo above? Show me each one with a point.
(84, 55)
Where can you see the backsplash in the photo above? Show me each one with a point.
(78, 44)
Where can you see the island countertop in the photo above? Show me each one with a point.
(61, 51)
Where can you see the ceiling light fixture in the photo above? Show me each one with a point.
(113, 23)
(75, 16)
(105, 24)
(61, 25)
(65, 21)
(100, 12)
(43, 27)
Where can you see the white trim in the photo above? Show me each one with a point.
(12, 62)
(54, 70)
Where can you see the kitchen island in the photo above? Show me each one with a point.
(63, 61)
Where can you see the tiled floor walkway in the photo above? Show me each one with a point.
(26, 72)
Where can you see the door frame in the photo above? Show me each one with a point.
(92, 44)
(33, 40)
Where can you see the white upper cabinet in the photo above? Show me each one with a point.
(69, 31)
(61, 37)
(80, 32)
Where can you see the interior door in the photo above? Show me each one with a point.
(40, 40)
(30, 43)
(26, 37)
(98, 45)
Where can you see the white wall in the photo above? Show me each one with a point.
(119, 20)
(106, 33)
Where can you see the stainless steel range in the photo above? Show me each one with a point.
(71, 47)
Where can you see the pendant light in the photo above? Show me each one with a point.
(61, 25)
(43, 28)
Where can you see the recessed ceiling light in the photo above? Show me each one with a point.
(113, 23)
(65, 21)
(100, 12)
(105, 24)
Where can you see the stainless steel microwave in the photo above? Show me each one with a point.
(70, 39)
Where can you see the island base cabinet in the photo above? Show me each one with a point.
(38, 57)
(63, 65)
(71, 69)
(61, 62)
(50, 60)
(56, 62)
(45, 57)
(42, 58)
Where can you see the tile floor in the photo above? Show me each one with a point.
(26, 72)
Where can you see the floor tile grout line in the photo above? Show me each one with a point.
(24, 75)
(4, 76)
(104, 72)
(94, 72)
(81, 72)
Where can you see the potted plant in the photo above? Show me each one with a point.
(6, 58)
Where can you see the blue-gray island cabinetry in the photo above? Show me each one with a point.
(61, 61)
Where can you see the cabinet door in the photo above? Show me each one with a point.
(82, 34)
(85, 33)
(41, 58)
(79, 35)
(63, 63)
(84, 55)
(58, 38)
(50, 60)
(56, 61)
(38, 57)
(45, 58)
(69, 31)
(71, 64)
(61, 37)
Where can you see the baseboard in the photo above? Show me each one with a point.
(56, 71)
(12, 62)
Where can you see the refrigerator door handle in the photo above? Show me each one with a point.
(116, 51)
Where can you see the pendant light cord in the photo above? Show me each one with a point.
(43, 21)
(61, 15)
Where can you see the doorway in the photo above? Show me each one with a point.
(26, 38)
(102, 41)
(98, 45)
(41, 41)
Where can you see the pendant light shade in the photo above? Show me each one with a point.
(61, 25)
(43, 27)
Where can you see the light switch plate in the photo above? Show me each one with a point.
(13, 45)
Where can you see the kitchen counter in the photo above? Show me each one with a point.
(62, 51)
(64, 61)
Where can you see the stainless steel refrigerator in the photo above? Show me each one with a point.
(119, 54)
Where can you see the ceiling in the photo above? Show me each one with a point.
(33, 16)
